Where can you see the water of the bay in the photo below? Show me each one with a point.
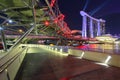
(104, 48)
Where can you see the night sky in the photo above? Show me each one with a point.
(105, 9)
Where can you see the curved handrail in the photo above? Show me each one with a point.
(10, 61)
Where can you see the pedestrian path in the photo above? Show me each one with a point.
(45, 65)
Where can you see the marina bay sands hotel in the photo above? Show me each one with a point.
(92, 27)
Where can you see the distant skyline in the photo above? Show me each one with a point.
(105, 9)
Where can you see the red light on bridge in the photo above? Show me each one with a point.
(52, 3)
(56, 21)
(46, 23)
(61, 17)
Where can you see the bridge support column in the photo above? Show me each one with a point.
(3, 39)
(34, 16)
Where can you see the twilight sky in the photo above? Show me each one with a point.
(105, 9)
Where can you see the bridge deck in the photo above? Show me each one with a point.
(45, 65)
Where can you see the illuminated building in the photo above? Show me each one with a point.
(92, 27)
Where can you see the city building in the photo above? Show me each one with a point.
(92, 27)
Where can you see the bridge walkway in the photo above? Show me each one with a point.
(40, 64)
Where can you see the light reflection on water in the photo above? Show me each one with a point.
(105, 48)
